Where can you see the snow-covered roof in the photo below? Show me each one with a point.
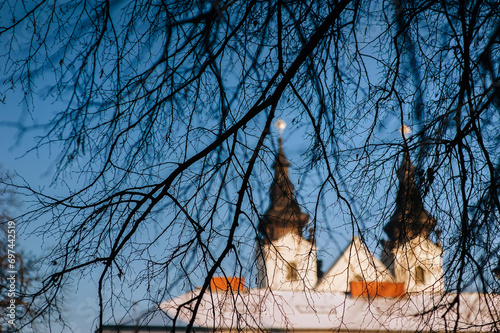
(154, 320)
(324, 311)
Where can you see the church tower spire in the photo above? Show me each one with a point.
(284, 214)
(410, 218)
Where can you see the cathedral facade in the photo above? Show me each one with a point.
(400, 291)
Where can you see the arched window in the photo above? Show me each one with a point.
(292, 274)
(419, 275)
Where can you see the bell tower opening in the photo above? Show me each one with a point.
(419, 275)
(292, 274)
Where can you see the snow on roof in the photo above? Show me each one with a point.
(286, 310)
(151, 320)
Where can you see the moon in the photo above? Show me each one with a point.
(280, 125)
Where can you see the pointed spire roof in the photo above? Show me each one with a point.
(284, 213)
(410, 218)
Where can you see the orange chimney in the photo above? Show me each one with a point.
(377, 289)
(221, 283)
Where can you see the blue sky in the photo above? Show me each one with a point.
(36, 168)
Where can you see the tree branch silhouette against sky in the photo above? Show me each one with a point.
(162, 130)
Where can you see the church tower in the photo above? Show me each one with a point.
(412, 257)
(285, 259)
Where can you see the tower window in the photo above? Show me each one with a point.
(419, 275)
(292, 274)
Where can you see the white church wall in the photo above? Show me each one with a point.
(290, 264)
(418, 264)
